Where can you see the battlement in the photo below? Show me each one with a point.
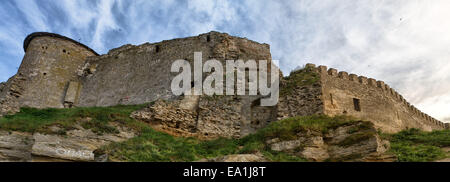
(376, 87)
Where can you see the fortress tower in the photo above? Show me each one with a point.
(50, 63)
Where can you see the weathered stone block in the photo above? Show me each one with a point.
(343, 75)
(381, 85)
(2, 85)
(354, 78)
(362, 80)
(332, 72)
(372, 82)
(387, 87)
(310, 65)
(322, 69)
(392, 91)
(15, 146)
(72, 92)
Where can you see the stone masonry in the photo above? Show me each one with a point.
(370, 99)
(58, 72)
(50, 63)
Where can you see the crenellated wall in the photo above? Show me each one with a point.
(370, 99)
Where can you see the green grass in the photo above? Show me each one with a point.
(152, 145)
(39, 120)
(356, 138)
(288, 128)
(414, 145)
(299, 78)
(149, 145)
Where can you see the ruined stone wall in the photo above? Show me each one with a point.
(300, 94)
(2, 85)
(9, 94)
(207, 116)
(51, 61)
(141, 74)
(368, 99)
(232, 116)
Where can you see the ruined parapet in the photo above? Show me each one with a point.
(300, 93)
(141, 74)
(9, 93)
(51, 61)
(371, 99)
(2, 85)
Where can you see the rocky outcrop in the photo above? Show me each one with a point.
(355, 142)
(237, 158)
(207, 116)
(78, 144)
(169, 117)
(15, 146)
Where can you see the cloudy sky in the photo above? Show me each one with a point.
(406, 43)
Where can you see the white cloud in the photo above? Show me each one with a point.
(33, 14)
(105, 22)
(83, 15)
(404, 42)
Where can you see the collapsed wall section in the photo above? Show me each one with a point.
(51, 61)
(369, 99)
(300, 94)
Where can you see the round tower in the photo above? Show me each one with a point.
(48, 69)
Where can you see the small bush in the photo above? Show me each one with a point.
(299, 78)
(356, 138)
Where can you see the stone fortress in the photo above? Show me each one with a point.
(372, 100)
(58, 72)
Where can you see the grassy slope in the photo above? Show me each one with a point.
(156, 146)
(151, 145)
(39, 120)
(418, 146)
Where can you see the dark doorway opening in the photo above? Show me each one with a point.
(357, 104)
